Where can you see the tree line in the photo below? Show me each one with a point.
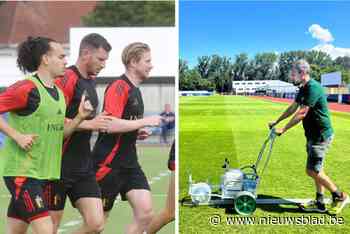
(131, 14)
(217, 72)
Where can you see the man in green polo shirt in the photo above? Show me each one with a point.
(310, 107)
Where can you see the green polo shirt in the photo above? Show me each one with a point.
(317, 123)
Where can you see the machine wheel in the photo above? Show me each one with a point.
(245, 203)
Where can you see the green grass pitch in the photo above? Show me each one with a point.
(218, 127)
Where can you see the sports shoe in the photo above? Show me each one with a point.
(338, 204)
(313, 206)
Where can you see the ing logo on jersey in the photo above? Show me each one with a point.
(55, 127)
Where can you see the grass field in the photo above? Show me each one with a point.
(234, 127)
(153, 161)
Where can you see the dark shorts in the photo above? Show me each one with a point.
(121, 182)
(28, 200)
(316, 153)
(58, 191)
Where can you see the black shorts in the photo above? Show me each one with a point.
(58, 191)
(121, 182)
(28, 201)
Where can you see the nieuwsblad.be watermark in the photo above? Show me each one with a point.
(216, 219)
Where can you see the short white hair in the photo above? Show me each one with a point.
(302, 65)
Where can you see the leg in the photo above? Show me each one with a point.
(164, 130)
(42, 225)
(56, 199)
(85, 195)
(141, 203)
(168, 213)
(105, 217)
(16, 226)
(314, 169)
(91, 210)
(56, 216)
(109, 186)
(322, 181)
(316, 156)
(319, 187)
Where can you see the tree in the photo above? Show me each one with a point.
(185, 82)
(203, 66)
(343, 61)
(220, 73)
(286, 61)
(193, 81)
(346, 76)
(240, 66)
(343, 64)
(318, 58)
(131, 13)
(264, 64)
(183, 67)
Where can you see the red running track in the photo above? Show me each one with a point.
(332, 105)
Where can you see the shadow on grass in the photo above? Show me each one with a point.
(278, 208)
(229, 205)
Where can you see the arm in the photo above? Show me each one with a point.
(71, 125)
(85, 109)
(15, 98)
(292, 108)
(117, 125)
(299, 116)
(99, 123)
(25, 141)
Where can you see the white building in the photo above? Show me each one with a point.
(268, 86)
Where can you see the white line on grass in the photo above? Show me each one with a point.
(65, 227)
(280, 201)
(72, 223)
(288, 201)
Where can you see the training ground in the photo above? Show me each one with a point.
(154, 163)
(218, 127)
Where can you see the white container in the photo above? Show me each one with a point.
(200, 193)
(231, 183)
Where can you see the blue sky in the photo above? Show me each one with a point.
(231, 27)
